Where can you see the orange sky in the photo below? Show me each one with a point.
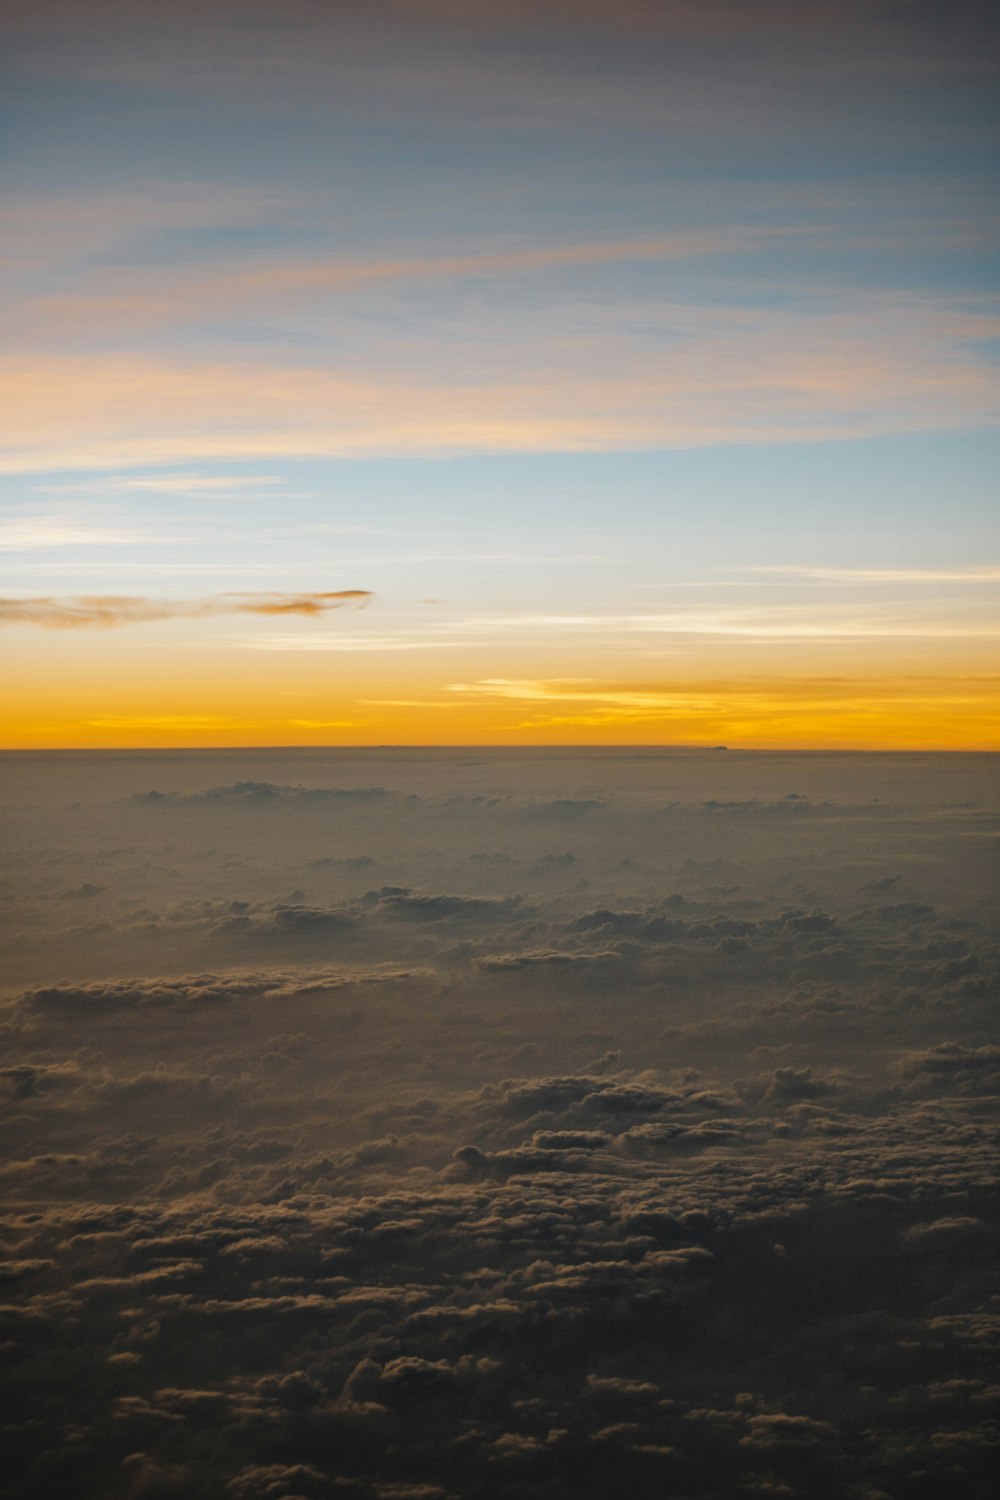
(139, 686)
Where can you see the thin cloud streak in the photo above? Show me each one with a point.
(988, 573)
(28, 535)
(591, 703)
(110, 611)
(770, 379)
(44, 229)
(343, 643)
(147, 299)
(166, 484)
(785, 624)
(777, 623)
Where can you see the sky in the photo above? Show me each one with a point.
(438, 372)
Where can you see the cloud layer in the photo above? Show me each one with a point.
(420, 1126)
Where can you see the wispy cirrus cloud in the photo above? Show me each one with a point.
(110, 611)
(776, 622)
(27, 534)
(779, 624)
(755, 377)
(125, 299)
(586, 690)
(282, 641)
(165, 484)
(41, 231)
(740, 707)
(984, 573)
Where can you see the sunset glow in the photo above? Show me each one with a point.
(642, 356)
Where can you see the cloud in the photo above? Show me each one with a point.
(712, 713)
(153, 299)
(43, 532)
(806, 621)
(203, 989)
(506, 963)
(717, 375)
(243, 794)
(167, 484)
(677, 1178)
(43, 229)
(406, 906)
(280, 641)
(832, 711)
(109, 611)
(980, 573)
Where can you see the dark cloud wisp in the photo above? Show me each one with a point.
(109, 611)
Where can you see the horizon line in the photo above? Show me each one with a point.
(698, 749)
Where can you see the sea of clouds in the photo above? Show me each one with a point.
(419, 1125)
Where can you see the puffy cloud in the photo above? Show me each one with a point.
(417, 908)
